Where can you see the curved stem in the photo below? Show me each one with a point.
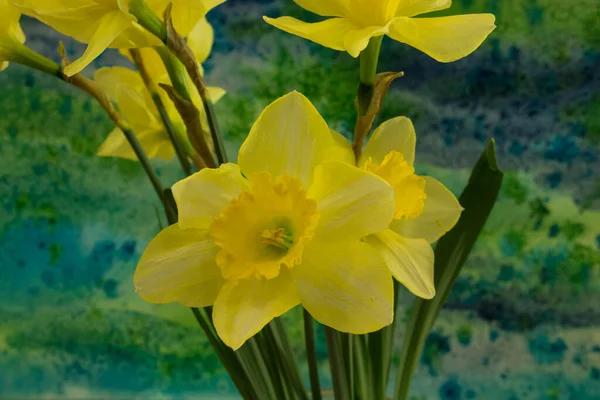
(43, 64)
(167, 34)
(153, 89)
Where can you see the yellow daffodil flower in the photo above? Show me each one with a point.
(185, 13)
(127, 89)
(282, 228)
(425, 209)
(354, 22)
(200, 41)
(107, 23)
(11, 34)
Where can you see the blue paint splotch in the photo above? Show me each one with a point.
(451, 390)
(33, 256)
(437, 345)
(546, 351)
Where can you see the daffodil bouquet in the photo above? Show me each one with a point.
(305, 217)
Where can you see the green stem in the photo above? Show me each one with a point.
(178, 46)
(215, 131)
(166, 120)
(226, 355)
(362, 369)
(176, 71)
(369, 58)
(340, 387)
(347, 351)
(148, 19)
(22, 54)
(181, 155)
(311, 356)
(380, 349)
(275, 331)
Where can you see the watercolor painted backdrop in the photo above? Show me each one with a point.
(523, 321)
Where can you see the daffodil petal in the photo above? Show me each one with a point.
(116, 145)
(409, 260)
(215, 93)
(440, 213)
(410, 8)
(185, 13)
(200, 40)
(110, 78)
(9, 21)
(352, 203)
(110, 27)
(179, 266)
(371, 12)
(202, 196)
(356, 41)
(345, 285)
(331, 8)
(245, 306)
(342, 149)
(289, 137)
(329, 33)
(445, 39)
(396, 134)
(137, 110)
(154, 143)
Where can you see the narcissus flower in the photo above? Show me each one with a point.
(185, 13)
(282, 228)
(354, 22)
(127, 89)
(425, 209)
(11, 34)
(107, 23)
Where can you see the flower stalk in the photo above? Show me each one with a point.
(340, 385)
(27, 57)
(178, 46)
(369, 58)
(153, 89)
(311, 355)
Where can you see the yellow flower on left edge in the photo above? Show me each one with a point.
(11, 34)
(355, 22)
(107, 23)
(282, 228)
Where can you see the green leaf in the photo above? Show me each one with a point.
(451, 252)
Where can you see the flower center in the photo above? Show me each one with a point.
(278, 238)
(409, 189)
(264, 228)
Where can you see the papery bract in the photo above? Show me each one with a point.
(126, 88)
(282, 228)
(354, 22)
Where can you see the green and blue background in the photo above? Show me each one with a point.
(523, 321)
